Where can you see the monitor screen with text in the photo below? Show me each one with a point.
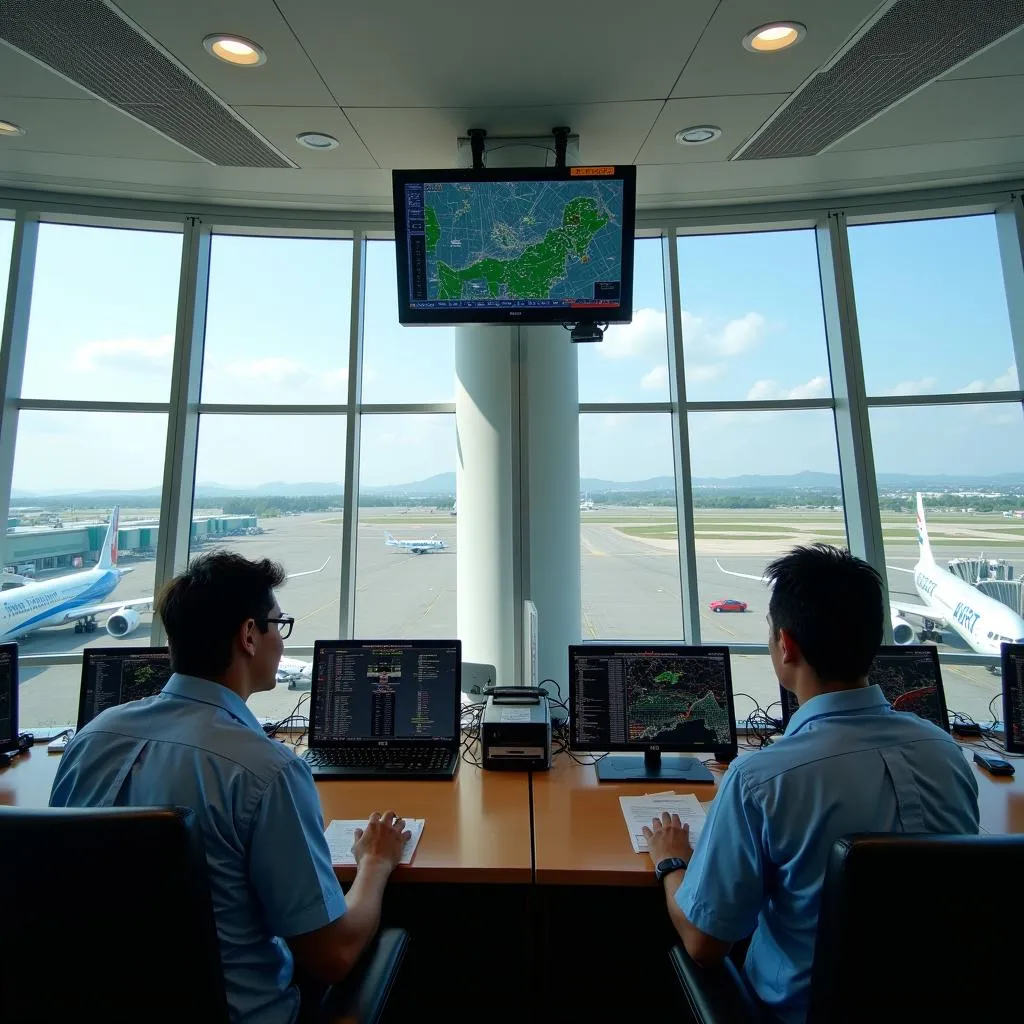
(117, 675)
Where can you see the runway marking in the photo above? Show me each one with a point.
(589, 626)
(302, 618)
(709, 620)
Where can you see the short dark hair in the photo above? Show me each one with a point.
(831, 603)
(203, 608)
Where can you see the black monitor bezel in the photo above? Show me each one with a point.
(91, 653)
(685, 650)
(445, 317)
(888, 650)
(12, 743)
(319, 646)
(1007, 653)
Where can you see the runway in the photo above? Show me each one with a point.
(630, 590)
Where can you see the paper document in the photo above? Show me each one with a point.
(341, 834)
(639, 811)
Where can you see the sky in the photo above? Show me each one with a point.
(930, 303)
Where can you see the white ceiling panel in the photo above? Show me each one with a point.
(286, 79)
(280, 125)
(22, 76)
(722, 67)
(85, 127)
(418, 137)
(737, 116)
(977, 108)
(1004, 58)
(452, 53)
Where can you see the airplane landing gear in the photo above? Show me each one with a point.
(85, 625)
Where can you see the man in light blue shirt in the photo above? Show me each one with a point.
(276, 899)
(847, 763)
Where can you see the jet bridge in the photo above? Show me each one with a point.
(994, 577)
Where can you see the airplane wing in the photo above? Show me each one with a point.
(897, 568)
(308, 572)
(919, 611)
(142, 604)
(742, 575)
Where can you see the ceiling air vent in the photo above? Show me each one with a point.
(911, 44)
(95, 47)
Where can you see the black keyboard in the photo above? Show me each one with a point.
(382, 763)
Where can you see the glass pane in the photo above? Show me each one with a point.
(753, 679)
(401, 364)
(104, 305)
(406, 590)
(752, 321)
(763, 482)
(48, 695)
(277, 321)
(629, 568)
(70, 469)
(969, 472)
(973, 690)
(631, 364)
(931, 307)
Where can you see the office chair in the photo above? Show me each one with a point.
(911, 927)
(108, 917)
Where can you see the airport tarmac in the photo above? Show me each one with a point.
(630, 590)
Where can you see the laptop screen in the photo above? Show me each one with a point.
(8, 697)
(374, 691)
(117, 675)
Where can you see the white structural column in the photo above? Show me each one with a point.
(550, 456)
(484, 494)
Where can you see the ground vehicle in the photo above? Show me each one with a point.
(728, 604)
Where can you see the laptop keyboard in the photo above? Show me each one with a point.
(381, 759)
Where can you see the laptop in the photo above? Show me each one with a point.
(117, 675)
(385, 709)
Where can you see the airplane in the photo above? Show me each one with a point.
(417, 547)
(295, 673)
(982, 622)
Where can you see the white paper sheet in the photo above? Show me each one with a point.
(639, 811)
(341, 834)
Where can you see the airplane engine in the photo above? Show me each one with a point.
(122, 622)
(902, 631)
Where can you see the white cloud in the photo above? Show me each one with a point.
(704, 371)
(924, 386)
(741, 335)
(644, 335)
(1004, 382)
(656, 380)
(147, 354)
(284, 375)
(769, 390)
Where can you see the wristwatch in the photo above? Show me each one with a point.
(667, 866)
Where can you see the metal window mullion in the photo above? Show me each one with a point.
(688, 589)
(522, 587)
(350, 505)
(13, 345)
(852, 422)
(1010, 233)
(176, 496)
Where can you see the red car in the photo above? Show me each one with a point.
(728, 604)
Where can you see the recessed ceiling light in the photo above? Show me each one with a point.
(10, 128)
(235, 49)
(317, 140)
(777, 35)
(698, 134)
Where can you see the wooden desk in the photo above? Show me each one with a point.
(579, 836)
(478, 827)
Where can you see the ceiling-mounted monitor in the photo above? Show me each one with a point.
(532, 245)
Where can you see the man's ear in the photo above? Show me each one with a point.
(789, 648)
(247, 637)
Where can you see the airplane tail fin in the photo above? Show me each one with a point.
(922, 532)
(108, 552)
(389, 538)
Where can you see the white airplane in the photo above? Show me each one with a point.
(74, 598)
(417, 547)
(294, 672)
(982, 622)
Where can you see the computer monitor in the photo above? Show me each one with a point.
(403, 692)
(909, 677)
(654, 699)
(8, 697)
(1013, 697)
(117, 675)
(535, 245)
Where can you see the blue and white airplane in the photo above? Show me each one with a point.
(417, 547)
(78, 598)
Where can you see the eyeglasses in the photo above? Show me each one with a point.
(284, 625)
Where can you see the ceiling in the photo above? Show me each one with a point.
(398, 83)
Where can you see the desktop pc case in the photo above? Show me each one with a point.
(515, 730)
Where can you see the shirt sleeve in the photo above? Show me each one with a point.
(289, 862)
(723, 889)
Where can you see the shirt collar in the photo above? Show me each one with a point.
(205, 691)
(841, 702)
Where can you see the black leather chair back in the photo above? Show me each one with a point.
(917, 928)
(106, 916)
